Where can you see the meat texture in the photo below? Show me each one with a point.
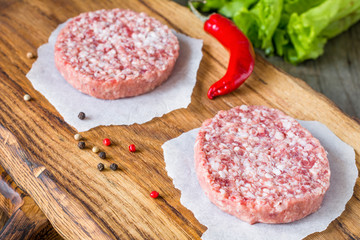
(116, 53)
(260, 165)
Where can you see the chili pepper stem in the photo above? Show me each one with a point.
(202, 17)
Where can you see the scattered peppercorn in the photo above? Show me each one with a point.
(100, 166)
(77, 137)
(81, 145)
(132, 148)
(113, 166)
(154, 194)
(95, 149)
(30, 55)
(106, 142)
(81, 116)
(102, 155)
(27, 97)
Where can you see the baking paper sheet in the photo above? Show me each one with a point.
(175, 93)
(179, 159)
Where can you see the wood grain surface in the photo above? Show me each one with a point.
(21, 218)
(42, 157)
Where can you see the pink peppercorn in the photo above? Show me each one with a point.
(132, 148)
(154, 194)
(106, 142)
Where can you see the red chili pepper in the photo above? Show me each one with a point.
(242, 56)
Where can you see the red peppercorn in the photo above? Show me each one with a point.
(154, 194)
(132, 148)
(106, 142)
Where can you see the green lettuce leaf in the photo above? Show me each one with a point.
(280, 40)
(260, 23)
(300, 6)
(308, 30)
(341, 25)
(348, 15)
(295, 29)
(210, 5)
(230, 8)
(249, 24)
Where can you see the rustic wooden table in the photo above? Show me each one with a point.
(40, 154)
(336, 74)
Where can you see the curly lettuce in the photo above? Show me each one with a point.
(294, 29)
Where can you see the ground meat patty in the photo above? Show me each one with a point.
(116, 53)
(260, 165)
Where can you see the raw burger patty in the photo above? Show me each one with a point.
(116, 53)
(260, 165)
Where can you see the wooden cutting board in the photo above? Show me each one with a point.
(83, 203)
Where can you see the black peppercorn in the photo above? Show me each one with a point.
(81, 116)
(81, 145)
(113, 166)
(102, 155)
(100, 166)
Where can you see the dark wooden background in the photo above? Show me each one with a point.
(336, 74)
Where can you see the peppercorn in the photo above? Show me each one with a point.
(95, 149)
(113, 166)
(27, 97)
(77, 137)
(81, 145)
(154, 194)
(132, 148)
(30, 55)
(100, 166)
(106, 142)
(81, 116)
(102, 155)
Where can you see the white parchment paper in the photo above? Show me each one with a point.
(175, 93)
(179, 159)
